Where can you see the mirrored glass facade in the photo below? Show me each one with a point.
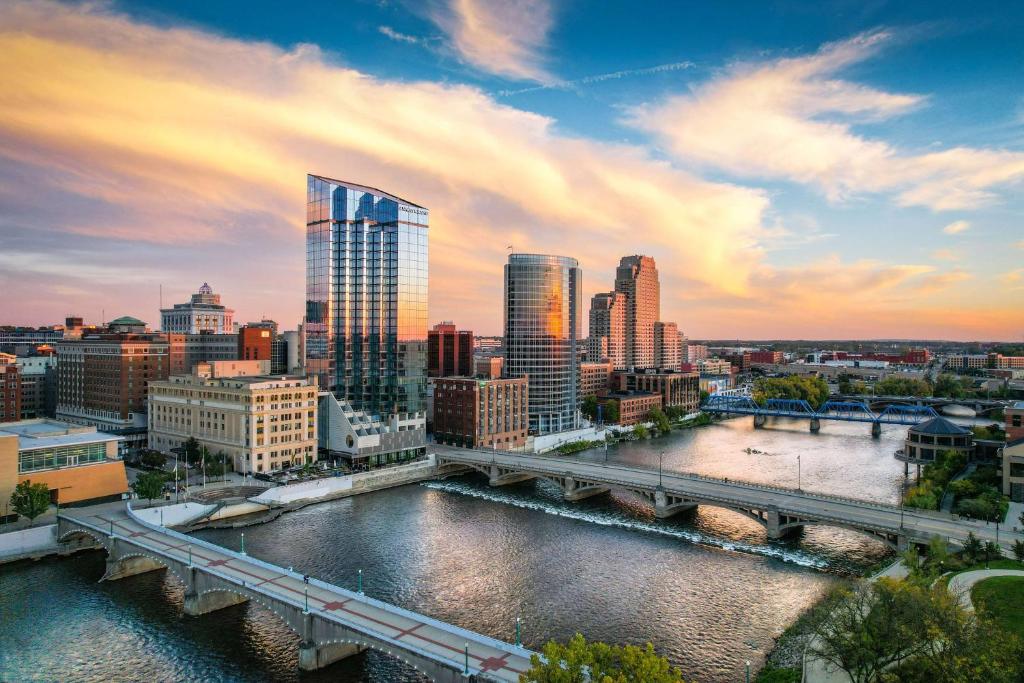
(542, 331)
(366, 296)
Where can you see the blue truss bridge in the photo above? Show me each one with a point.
(841, 410)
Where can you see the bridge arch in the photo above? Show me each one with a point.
(340, 647)
(876, 535)
(79, 533)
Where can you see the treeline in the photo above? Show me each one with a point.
(814, 390)
(945, 386)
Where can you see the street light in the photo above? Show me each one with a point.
(661, 457)
(799, 487)
(748, 671)
(519, 638)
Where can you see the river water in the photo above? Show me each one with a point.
(707, 589)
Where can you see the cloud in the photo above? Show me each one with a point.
(793, 119)
(398, 36)
(502, 37)
(938, 282)
(1013, 277)
(945, 255)
(600, 78)
(956, 227)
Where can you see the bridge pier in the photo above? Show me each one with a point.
(666, 505)
(204, 595)
(498, 477)
(759, 421)
(779, 525)
(876, 429)
(573, 490)
(815, 425)
(314, 656)
(119, 567)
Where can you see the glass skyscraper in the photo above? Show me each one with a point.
(542, 330)
(366, 296)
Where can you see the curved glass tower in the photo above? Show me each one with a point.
(366, 296)
(542, 330)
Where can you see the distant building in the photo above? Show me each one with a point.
(696, 352)
(713, 366)
(38, 376)
(542, 328)
(449, 351)
(255, 343)
(715, 383)
(1013, 453)
(185, 351)
(967, 361)
(126, 324)
(771, 357)
(489, 367)
(102, 381)
(203, 313)
(20, 340)
(488, 345)
(481, 413)
(607, 340)
(1014, 421)
(595, 378)
(10, 391)
(78, 464)
(677, 389)
(741, 360)
(666, 346)
(637, 278)
(633, 407)
(261, 423)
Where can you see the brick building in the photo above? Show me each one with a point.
(595, 378)
(449, 351)
(10, 391)
(633, 406)
(481, 413)
(677, 389)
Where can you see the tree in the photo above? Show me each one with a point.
(972, 547)
(950, 386)
(814, 390)
(154, 459)
(991, 550)
(1018, 550)
(578, 661)
(902, 386)
(589, 407)
(610, 410)
(149, 485)
(641, 432)
(30, 500)
(191, 449)
(872, 627)
(660, 420)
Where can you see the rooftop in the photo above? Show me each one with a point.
(46, 433)
(126, 320)
(367, 188)
(940, 426)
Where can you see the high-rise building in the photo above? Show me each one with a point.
(366, 296)
(203, 313)
(666, 346)
(637, 278)
(449, 351)
(607, 340)
(38, 376)
(542, 328)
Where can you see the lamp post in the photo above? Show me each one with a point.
(243, 543)
(466, 670)
(190, 555)
(748, 671)
(360, 582)
(661, 457)
(799, 484)
(175, 477)
(519, 638)
(306, 593)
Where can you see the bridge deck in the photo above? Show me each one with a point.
(488, 656)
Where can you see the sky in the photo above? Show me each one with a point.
(798, 170)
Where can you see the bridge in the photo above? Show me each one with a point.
(780, 510)
(978, 405)
(332, 623)
(841, 410)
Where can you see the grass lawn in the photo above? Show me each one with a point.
(1002, 599)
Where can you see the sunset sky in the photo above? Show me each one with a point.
(812, 170)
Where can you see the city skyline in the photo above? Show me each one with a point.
(841, 180)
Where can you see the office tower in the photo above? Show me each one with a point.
(449, 351)
(203, 313)
(542, 321)
(666, 346)
(607, 340)
(637, 278)
(366, 296)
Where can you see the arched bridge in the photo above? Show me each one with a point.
(779, 510)
(841, 410)
(331, 622)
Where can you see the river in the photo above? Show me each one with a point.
(708, 590)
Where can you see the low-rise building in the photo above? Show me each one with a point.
(1013, 469)
(481, 413)
(185, 351)
(696, 352)
(595, 378)
(927, 440)
(1014, 416)
(38, 379)
(758, 357)
(366, 441)
(677, 389)
(713, 366)
(78, 464)
(10, 390)
(633, 406)
(261, 423)
(490, 367)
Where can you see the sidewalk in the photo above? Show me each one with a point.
(961, 584)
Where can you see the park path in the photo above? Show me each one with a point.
(961, 584)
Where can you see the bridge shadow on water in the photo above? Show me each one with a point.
(830, 549)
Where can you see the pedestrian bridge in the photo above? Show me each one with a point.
(779, 510)
(840, 410)
(332, 623)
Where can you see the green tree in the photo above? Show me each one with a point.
(660, 420)
(991, 551)
(154, 459)
(30, 500)
(589, 407)
(1018, 550)
(610, 411)
(578, 661)
(950, 386)
(641, 432)
(149, 485)
(902, 386)
(192, 450)
(814, 390)
(972, 547)
(704, 396)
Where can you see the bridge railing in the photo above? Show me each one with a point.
(470, 636)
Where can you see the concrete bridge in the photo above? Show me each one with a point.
(979, 405)
(780, 510)
(332, 623)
